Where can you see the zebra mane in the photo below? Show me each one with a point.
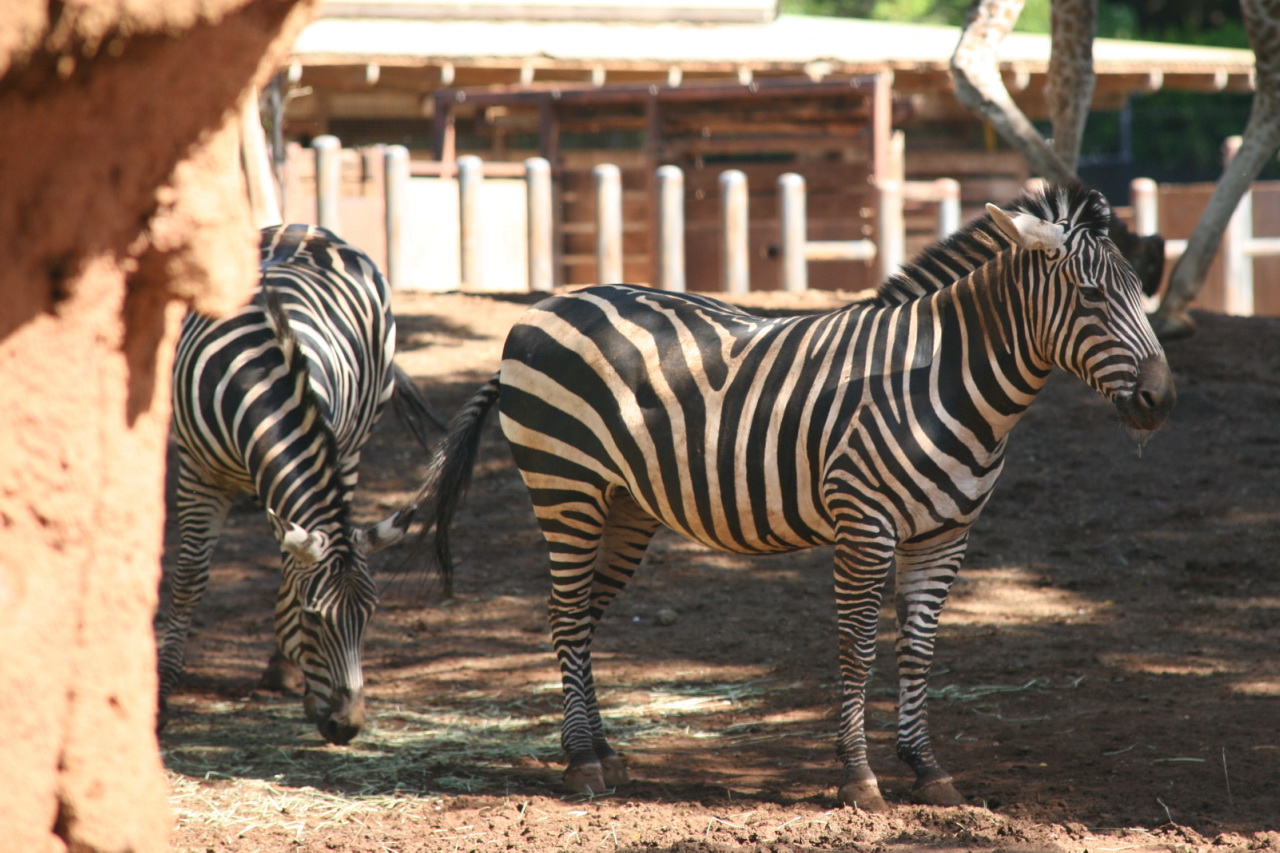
(940, 265)
(300, 374)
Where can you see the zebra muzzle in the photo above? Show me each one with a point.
(1152, 397)
(342, 719)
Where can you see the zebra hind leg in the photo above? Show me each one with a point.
(585, 582)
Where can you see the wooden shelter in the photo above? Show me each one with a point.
(704, 84)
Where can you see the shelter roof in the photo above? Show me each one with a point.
(786, 44)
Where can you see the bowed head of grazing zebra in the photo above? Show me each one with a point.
(880, 427)
(277, 400)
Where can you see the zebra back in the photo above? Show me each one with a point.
(302, 371)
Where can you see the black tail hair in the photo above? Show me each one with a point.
(449, 476)
(412, 407)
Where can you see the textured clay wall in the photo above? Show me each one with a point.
(120, 204)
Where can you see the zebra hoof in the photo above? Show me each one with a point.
(939, 792)
(861, 794)
(615, 771)
(586, 779)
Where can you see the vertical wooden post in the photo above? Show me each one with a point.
(891, 247)
(735, 275)
(791, 215)
(537, 176)
(395, 165)
(881, 126)
(1237, 262)
(608, 185)
(1144, 196)
(1146, 208)
(653, 146)
(670, 243)
(948, 206)
(328, 180)
(470, 185)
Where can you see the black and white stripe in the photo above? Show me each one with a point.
(880, 427)
(277, 400)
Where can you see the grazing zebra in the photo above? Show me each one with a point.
(277, 400)
(880, 427)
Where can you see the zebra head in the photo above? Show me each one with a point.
(325, 602)
(1089, 318)
(326, 599)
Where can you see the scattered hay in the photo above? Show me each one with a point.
(240, 766)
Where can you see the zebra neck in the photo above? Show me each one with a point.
(313, 502)
(986, 327)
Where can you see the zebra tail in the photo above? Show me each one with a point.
(278, 317)
(450, 472)
(412, 407)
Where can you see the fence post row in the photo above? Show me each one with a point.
(796, 249)
(1239, 245)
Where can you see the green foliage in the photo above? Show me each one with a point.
(1207, 22)
(1179, 133)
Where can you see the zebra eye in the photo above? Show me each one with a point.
(1090, 291)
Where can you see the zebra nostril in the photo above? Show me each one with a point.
(1147, 400)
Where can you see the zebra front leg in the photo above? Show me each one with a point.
(925, 575)
(201, 514)
(860, 573)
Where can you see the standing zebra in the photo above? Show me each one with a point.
(277, 400)
(880, 427)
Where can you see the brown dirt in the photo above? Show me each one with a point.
(1107, 675)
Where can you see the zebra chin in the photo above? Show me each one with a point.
(339, 721)
(1145, 408)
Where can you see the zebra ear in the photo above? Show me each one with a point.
(386, 532)
(308, 547)
(1027, 230)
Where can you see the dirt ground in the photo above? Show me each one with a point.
(1108, 674)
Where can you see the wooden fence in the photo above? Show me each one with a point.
(462, 236)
